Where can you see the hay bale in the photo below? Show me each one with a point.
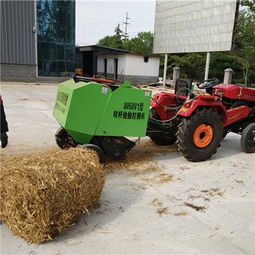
(42, 194)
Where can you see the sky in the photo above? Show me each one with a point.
(97, 19)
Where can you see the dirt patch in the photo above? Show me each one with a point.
(162, 211)
(156, 202)
(181, 213)
(141, 158)
(160, 178)
(23, 99)
(196, 207)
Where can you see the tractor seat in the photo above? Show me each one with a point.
(183, 87)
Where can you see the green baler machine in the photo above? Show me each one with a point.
(100, 115)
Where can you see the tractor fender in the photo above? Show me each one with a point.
(190, 107)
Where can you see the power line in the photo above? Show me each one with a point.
(126, 24)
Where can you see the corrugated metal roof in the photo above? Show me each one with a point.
(98, 48)
(103, 50)
(17, 20)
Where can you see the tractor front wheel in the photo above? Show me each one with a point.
(199, 136)
(248, 139)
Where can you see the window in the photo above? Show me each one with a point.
(56, 37)
(146, 59)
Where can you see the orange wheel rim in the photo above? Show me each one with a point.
(203, 135)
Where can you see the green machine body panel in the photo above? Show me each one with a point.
(88, 109)
(126, 113)
(79, 107)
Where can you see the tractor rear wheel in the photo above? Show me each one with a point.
(199, 136)
(248, 139)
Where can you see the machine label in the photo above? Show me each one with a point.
(147, 93)
(62, 97)
(129, 115)
(131, 111)
(133, 106)
(59, 107)
(104, 90)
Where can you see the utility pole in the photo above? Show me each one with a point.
(126, 24)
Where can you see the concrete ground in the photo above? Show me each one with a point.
(173, 207)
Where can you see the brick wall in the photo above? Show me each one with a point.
(11, 72)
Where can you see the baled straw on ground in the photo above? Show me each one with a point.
(41, 194)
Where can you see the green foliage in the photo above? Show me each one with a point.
(114, 41)
(249, 4)
(141, 44)
(245, 41)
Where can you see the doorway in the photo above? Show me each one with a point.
(88, 63)
(105, 67)
(115, 68)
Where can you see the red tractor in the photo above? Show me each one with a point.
(198, 122)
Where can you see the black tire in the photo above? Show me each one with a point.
(163, 139)
(63, 139)
(248, 139)
(186, 131)
(225, 132)
(97, 149)
(113, 148)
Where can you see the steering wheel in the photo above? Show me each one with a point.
(207, 84)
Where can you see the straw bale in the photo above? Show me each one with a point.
(41, 194)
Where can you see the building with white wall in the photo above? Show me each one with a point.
(117, 64)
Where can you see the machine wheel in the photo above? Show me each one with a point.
(248, 139)
(114, 147)
(97, 149)
(199, 136)
(163, 139)
(63, 140)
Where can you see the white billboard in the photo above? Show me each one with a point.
(183, 26)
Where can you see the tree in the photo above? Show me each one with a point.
(250, 4)
(142, 43)
(192, 65)
(113, 41)
(245, 41)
